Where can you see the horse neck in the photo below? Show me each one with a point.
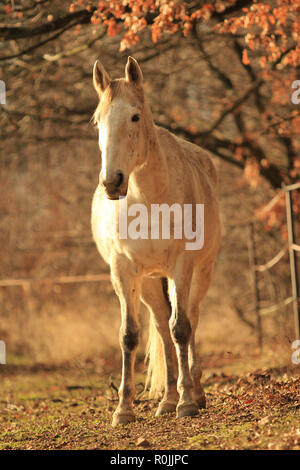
(151, 180)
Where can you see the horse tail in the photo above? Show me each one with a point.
(156, 366)
(156, 373)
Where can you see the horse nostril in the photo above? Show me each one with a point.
(119, 179)
(112, 183)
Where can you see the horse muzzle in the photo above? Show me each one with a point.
(115, 195)
(116, 186)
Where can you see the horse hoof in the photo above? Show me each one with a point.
(165, 407)
(122, 418)
(201, 402)
(187, 409)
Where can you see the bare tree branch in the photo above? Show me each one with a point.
(36, 46)
(79, 17)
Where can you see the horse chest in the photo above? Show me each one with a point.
(151, 254)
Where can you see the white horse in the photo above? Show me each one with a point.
(152, 167)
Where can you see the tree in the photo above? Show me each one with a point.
(233, 63)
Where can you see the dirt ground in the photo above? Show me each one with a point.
(252, 404)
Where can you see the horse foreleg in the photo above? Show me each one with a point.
(128, 291)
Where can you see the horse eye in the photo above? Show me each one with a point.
(135, 118)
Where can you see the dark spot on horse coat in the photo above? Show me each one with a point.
(130, 336)
(130, 340)
(181, 328)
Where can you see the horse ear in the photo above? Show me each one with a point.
(133, 73)
(100, 78)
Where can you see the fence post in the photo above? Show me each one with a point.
(253, 263)
(293, 259)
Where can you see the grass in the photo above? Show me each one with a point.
(70, 407)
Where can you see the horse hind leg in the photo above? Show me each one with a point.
(196, 374)
(162, 369)
(200, 284)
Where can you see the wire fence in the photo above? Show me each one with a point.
(55, 280)
(291, 247)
